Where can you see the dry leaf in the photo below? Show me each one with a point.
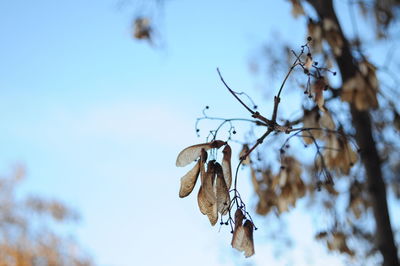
(188, 181)
(191, 153)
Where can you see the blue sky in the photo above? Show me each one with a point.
(98, 119)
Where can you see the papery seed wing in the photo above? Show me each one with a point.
(308, 63)
(226, 165)
(188, 181)
(237, 238)
(248, 242)
(206, 198)
(326, 121)
(243, 152)
(202, 202)
(239, 216)
(208, 184)
(203, 160)
(191, 153)
(223, 198)
(213, 215)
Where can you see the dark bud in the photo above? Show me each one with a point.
(255, 228)
(282, 150)
(234, 132)
(197, 130)
(309, 54)
(306, 71)
(334, 73)
(326, 87)
(282, 167)
(305, 145)
(255, 106)
(287, 146)
(310, 96)
(226, 223)
(305, 92)
(207, 107)
(309, 39)
(315, 63)
(221, 223)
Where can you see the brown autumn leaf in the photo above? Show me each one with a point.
(191, 153)
(226, 165)
(188, 181)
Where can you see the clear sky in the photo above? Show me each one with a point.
(98, 119)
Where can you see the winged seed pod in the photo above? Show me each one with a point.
(226, 165)
(242, 239)
(188, 181)
(191, 153)
(206, 198)
(222, 192)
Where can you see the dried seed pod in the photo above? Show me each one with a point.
(226, 165)
(222, 192)
(191, 153)
(188, 181)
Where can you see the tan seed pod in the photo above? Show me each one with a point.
(188, 181)
(191, 153)
(227, 166)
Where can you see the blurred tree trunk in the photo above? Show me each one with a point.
(384, 240)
